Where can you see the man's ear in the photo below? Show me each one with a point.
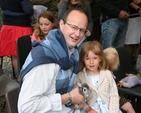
(61, 23)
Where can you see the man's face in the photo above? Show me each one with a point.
(74, 27)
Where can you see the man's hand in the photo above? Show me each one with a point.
(123, 15)
(88, 33)
(77, 98)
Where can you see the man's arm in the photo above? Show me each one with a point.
(62, 9)
(38, 90)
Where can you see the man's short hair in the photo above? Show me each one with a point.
(69, 11)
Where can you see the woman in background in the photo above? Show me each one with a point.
(16, 23)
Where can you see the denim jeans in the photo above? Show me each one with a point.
(113, 32)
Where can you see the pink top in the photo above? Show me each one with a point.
(33, 37)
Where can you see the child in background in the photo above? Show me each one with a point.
(93, 70)
(45, 22)
(113, 60)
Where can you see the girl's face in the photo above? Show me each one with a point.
(45, 25)
(75, 1)
(92, 61)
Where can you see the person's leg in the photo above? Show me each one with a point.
(130, 49)
(136, 53)
(128, 107)
(15, 64)
(120, 39)
(109, 32)
(137, 48)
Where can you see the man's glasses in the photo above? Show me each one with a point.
(83, 31)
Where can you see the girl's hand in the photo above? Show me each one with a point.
(90, 110)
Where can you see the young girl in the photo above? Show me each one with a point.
(45, 22)
(93, 71)
(113, 61)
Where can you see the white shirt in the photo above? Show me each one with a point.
(37, 93)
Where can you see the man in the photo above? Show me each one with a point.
(49, 71)
(115, 15)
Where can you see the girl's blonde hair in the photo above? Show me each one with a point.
(112, 58)
(96, 48)
(50, 16)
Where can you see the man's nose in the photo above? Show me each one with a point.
(77, 32)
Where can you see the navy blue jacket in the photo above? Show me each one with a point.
(16, 12)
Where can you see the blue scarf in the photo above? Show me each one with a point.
(54, 50)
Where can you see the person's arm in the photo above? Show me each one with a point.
(89, 15)
(136, 1)
(38, 90)
(114, 98)
(27, 7)
(33, 38)
(135, 6)
(62, 9)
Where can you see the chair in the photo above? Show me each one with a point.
(6, 84)
(23, 46)
(11, 100)
(126, 67)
